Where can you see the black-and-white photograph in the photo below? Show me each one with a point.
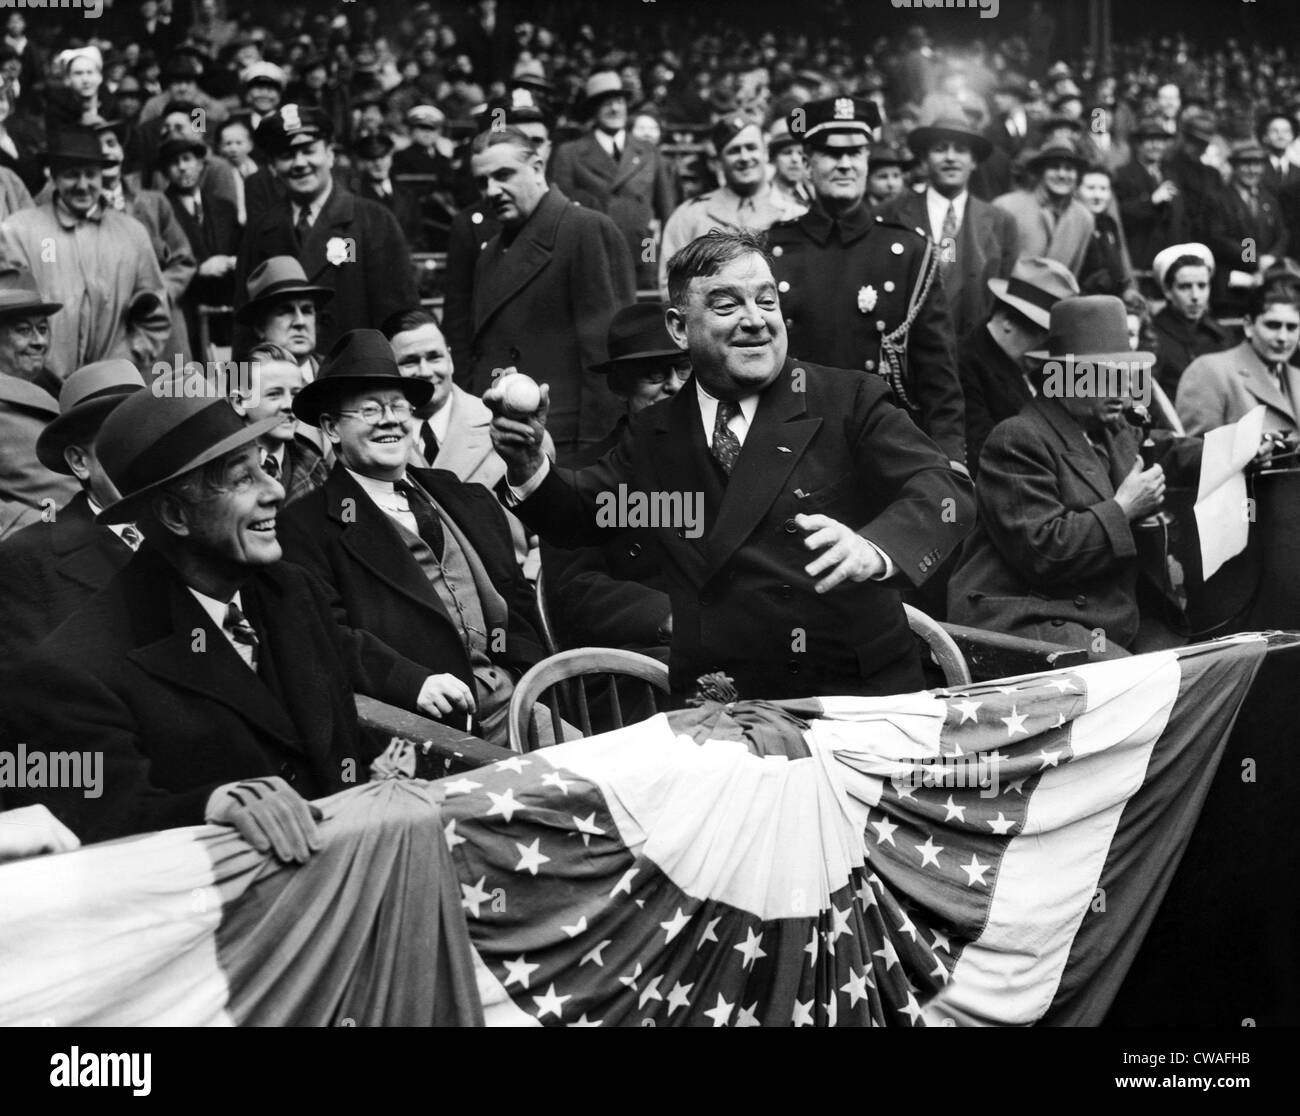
(648, 513)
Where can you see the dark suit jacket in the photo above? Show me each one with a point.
(1053, 556)
(371, 274)
(50, 569)
(403, 204)
(141, 673)
(1230, 224)
(741, 600)
(1277, 182)
(1147, 227)
(339, 534)
(1180, 341)
(822, 266)
(218, 234)
(986, 249)
(543, 302)
(613, 595)
(994, 387)
(471, 231)
(632, 192)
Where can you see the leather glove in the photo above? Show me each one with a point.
(270, 815)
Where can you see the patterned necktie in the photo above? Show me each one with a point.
(948, 240)
(271, 466)
(131, 536)
(241, 632)
(426, 515)
(726, 446)
(429, 440)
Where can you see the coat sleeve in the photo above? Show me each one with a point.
(979, 418)
(1201, 401)
(563, 169)
(147, 332)
(930, 508)
(1021, 508)
(665, 195)
(175, 256)
(606, 610)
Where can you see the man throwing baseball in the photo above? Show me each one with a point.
(821, 498)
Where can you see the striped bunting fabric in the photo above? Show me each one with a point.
(986, 855)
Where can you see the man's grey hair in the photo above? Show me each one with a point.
(707, 255)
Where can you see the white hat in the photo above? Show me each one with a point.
(264, 71)
(1166, 256)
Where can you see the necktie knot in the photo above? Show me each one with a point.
(131, 536)
(726, 446)
(242, 634)
(271, 466)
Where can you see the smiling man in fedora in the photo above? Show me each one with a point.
(97, 262)
(627, 176)
(1054, 556)
(213, 677)
(415, 556)
(976, 241)
(51, 568)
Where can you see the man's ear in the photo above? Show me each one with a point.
(237, 402)
(75, 456)
(675, 320)
(173, 514)
(329, 429)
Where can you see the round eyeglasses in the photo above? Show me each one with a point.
(373, 413)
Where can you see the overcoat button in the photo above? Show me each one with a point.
(896, 248)
(870, 365)
(790, 526)
(889, 285)
(783, 286)
(1080, 601)
(880, 325)
(794, 667)
(634, 550)
(787, 592)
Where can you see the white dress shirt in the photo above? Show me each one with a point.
(217, 611)
(117, 528)
(936, 206)
(608, 141)
(388, 500)
(313, 209)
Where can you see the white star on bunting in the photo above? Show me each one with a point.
(518, 971)
(473, 896)
(750, 949)
(675, 924)
(531, 857)
(503, 804)
(550, 1004)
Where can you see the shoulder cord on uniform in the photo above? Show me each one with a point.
(893, 346)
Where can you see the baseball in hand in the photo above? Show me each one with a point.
(519, 393)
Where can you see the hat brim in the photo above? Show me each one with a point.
(1035, 314)
(920, 140)
(1038, 161)
(30, 308)
(128, 507)
(252, 309)
(589, 104)
(69, 427)
(316, 397)
(628, 358)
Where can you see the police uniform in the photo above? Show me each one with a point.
(863, 291)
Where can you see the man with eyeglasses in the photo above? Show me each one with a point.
(1220, 388)
(416, 557)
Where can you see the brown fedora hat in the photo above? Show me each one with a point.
(360, 359)
(273, 279)
(1092, 329)
(88, 396)
(149, 440)
(637, 332)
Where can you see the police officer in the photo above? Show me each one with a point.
(861, 291)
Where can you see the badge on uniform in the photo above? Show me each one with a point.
(338, 250)
(866, 299)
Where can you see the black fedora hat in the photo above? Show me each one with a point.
(360, 359)
(173, 147)
(87, 398)
(637, 332)
(76, 147)
(149, 440)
